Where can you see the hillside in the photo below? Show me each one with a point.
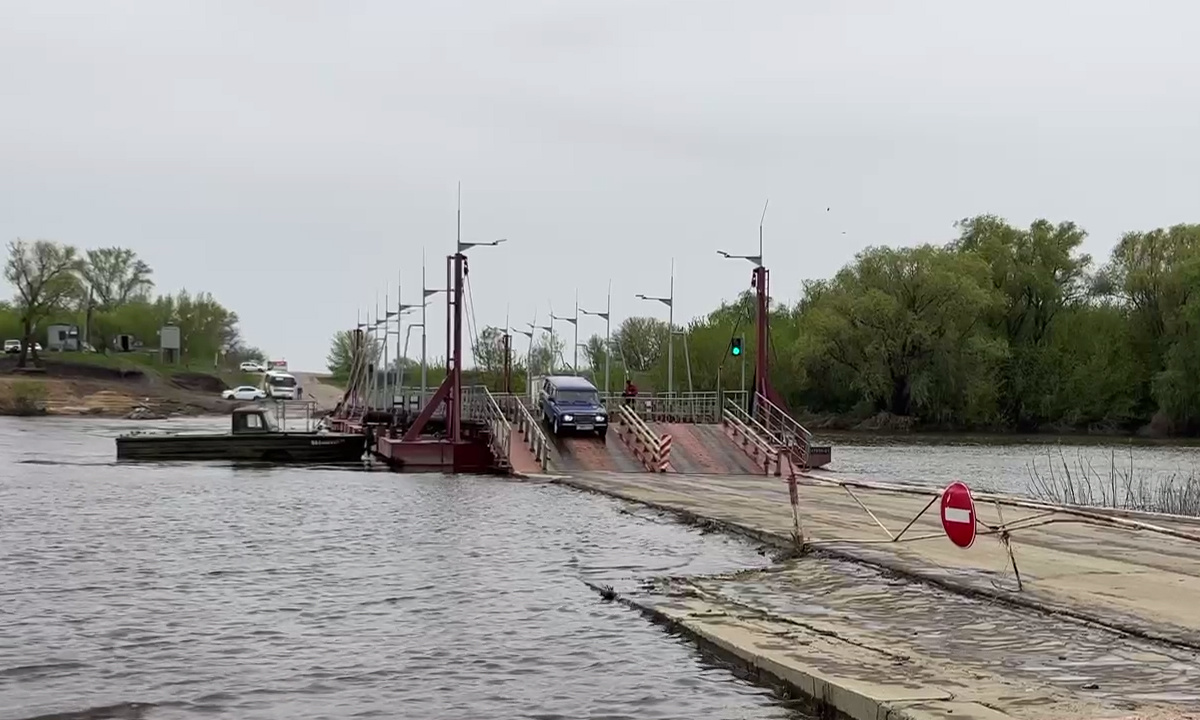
(103, 385)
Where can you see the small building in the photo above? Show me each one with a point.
(62, 337)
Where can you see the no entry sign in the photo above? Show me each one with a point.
(958, 514)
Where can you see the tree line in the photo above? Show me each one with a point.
(107, 292)
(1002, 328)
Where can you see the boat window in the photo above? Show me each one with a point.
(253, 421)
(271, 425)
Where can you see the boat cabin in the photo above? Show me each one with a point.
(253, 420)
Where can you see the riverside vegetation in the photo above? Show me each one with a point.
(1004, 328)
(107, 292)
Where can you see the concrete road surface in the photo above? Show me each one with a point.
(326, 396)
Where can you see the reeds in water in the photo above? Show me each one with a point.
(1119, 486)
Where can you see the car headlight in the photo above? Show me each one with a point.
(568, 418)
(601, 418)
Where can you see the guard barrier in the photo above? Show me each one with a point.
(533, 436)
(652, 451)
(779, 428)
(480, 405)
(752, 437)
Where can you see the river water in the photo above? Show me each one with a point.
(212, 591)
(1005, 464)
(216, 591)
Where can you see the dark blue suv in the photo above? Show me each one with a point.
(572, 404)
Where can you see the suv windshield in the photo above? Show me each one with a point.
(578, 397)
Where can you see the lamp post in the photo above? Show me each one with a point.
(550, 329)
(574, 321)
(669, 301)
(457, 269)
(426, 293)
(607, 317)
(759, 281)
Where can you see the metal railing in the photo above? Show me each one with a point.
(516, 409)
(755, 440)
(787, 434)
(704, 408)
(646, 446)
(479, 405)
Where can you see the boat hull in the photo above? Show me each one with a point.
(265, 447)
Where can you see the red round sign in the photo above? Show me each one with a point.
(958, 514)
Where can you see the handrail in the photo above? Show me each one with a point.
(646, 446)
(751, 430)
(478, 400)
(791, 437)
(516, 409)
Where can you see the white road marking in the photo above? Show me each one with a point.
(957, 515)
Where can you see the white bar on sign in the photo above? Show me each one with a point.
(957, 515)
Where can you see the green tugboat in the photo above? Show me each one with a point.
(254, 436)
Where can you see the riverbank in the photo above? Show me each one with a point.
(1102, 625)
(106, 387)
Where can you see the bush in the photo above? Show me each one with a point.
(24, 397)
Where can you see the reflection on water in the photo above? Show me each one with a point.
(304, 593)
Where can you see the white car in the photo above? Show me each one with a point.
(252, 367)
(244, 392)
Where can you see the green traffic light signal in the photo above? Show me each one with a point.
(735, 347)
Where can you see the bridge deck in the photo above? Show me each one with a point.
(584, 453)
(1132, 579)
(896, 641)
(698, 449)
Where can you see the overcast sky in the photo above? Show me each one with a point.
(294, 158)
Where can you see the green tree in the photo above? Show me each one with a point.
(115, 276)
(44, 274)
(906, 324)
(340, 359)
(1038, 273)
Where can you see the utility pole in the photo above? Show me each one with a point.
(574, 321)
(669, 301)
(607, 317)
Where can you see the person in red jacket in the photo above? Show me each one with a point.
(630, 391)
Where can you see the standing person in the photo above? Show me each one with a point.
(630, 392)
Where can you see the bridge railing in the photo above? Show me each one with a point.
(652, 450)
(696, 407)
(516, 409)
(480, 405)
(754, 439)
(789, 435)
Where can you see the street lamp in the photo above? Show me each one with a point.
(574, 321)
(464, 246)
(550, 329)
(426, 293)
(606, 316)
(761, 323)
(669, 301)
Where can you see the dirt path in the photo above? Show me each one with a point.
(326, 396)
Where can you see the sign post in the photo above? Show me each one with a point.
(958, 514)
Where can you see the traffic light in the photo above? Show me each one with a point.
(735, 347)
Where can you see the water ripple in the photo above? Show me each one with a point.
(192, 591)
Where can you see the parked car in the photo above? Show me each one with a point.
(244, 392)
(572, 404)
(37, 347)
(252, 366)
(12, 347)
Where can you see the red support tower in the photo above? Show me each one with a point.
(449, 392)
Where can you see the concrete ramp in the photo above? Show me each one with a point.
(579, 454)
(705, 449)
